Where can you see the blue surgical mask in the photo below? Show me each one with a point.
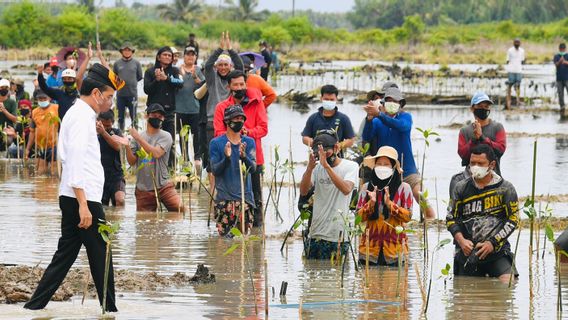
(43, 104)
(328, 105)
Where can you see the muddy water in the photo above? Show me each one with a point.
(173, 242)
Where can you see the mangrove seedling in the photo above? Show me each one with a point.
(244, 243)
(440, 245)
(550, 236)
(108, 232)
(148, 158)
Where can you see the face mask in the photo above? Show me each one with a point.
(478, 172)
(24, 112)
(482, 114)
(43, 104)
(71, 63)
(4, 92)
(69, 86)
(391, 107)
(236, 126)
(383, 172)
(331, 159)
(239, 94)
(328, 105)
(155, 123)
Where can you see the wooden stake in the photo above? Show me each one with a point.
(367, 258)
(242, 197)
(266, 288)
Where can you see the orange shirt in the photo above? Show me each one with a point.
(46, 125)
(268, 94)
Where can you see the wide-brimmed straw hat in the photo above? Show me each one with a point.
(384, 151)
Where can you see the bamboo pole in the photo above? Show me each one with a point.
(367, 258)
(266, 288)
(242, 197)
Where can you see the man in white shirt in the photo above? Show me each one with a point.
(334, 180)
(81, 190)
(515, 61)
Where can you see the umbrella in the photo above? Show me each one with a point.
(61, 54)
(258, 58)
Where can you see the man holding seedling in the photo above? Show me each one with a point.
(483, 212)
(81, 190)
(226, 151)
(149, 152)
(333, 180)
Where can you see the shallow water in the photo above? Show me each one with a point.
(174, 242)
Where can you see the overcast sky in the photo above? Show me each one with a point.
(272, 5)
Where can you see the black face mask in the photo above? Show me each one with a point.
(482, 114)
(331, 159)
(24, 112)
(155, 122)
(239, 94)
(236, 126)
(4, 92)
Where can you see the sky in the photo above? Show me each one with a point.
(273, 5)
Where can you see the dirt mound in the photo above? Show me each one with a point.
(17, 283)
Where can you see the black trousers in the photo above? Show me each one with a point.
(70, 242)
(168, 125)
(256, 182)
(193, 121)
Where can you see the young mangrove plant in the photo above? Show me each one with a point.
(108, 232)
(148, 158)
(244, 242)
(558, 251)
(424, 206)
(440, 245)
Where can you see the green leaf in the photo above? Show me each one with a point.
(564, 253)
(305, 215)
(254, 238)
(358, 220)
(105, 237)
(297, 224)
(409, 231)
(236, 232)
(443, 243)
(448, 267)
(232, 248)
(445, 272)
(549, 232)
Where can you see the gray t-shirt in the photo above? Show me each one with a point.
(158, 166)
(329, 201)
(131, 72)
(185, 99)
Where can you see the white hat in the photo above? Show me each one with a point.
(69, 73)
(384, 151)
(4, 83)
(174, 50)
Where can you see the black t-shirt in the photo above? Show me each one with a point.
(338, 122)
(110, 159)
(562, 70)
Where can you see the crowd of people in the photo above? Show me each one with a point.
(225, 104)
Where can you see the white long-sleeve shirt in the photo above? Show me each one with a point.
(80, 154)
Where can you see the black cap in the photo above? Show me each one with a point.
(127, 45)
(108, 115)
(326, 138)
(189, 49)
(102, 74)
(38, 93)
(562, 46)
(234, 111)
(155, 107)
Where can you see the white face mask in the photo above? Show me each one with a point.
(391, 107)
(328, 105)
(478, 172)
(383, 172)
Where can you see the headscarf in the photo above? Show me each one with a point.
(393, 182)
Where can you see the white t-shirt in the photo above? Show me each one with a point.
(329, 201)
(515, 58)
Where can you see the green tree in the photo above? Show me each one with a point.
(299, 28)
(119, 25)
(244, 10)
(186, 11)
(276, 35)
(23, 25)
(414, 27)
(75, 26)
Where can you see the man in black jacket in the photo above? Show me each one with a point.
(267, 55)
(483, 212)
(160, 84)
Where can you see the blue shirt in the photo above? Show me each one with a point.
(393, 132)
(226, 170)
(338, 122)
(561, 70)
